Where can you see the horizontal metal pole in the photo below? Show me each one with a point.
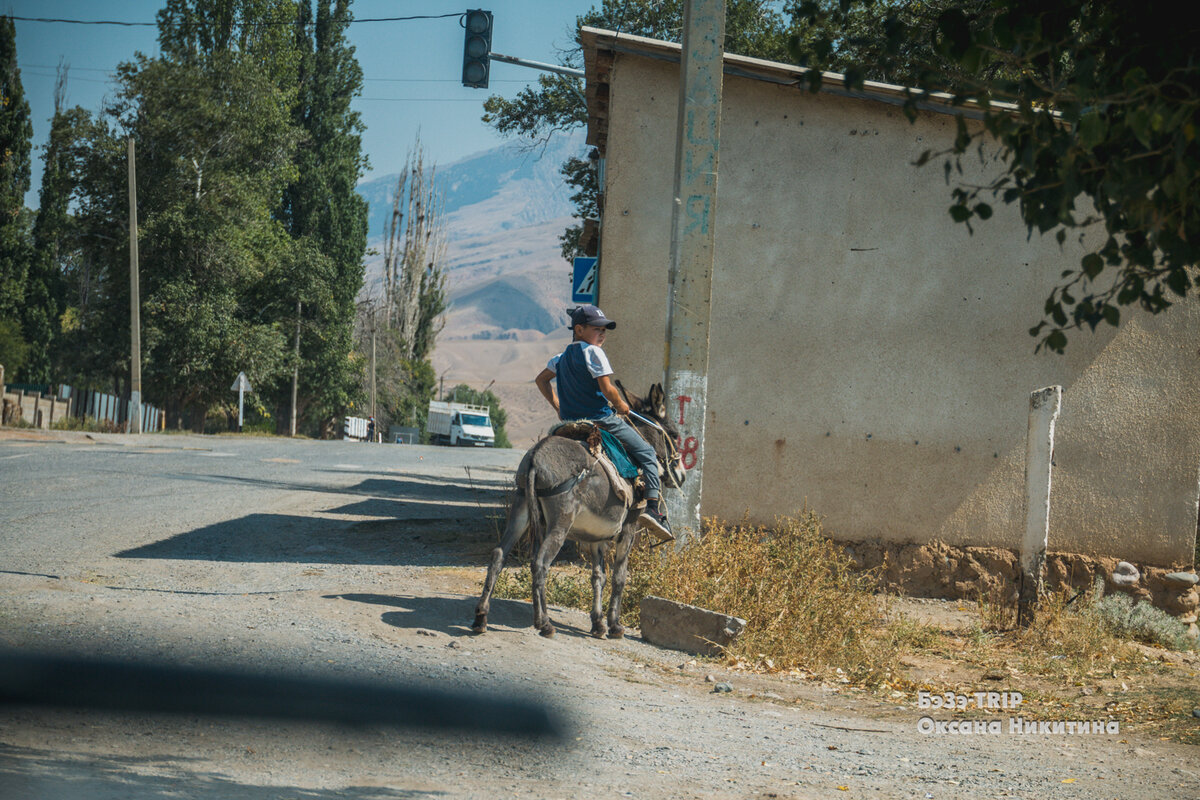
(523, 62)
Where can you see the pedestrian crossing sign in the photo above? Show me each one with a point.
(585, 279)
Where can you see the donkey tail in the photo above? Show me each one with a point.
(534, 510)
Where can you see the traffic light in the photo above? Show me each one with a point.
(476, 46)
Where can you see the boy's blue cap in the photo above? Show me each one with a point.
(590, 315)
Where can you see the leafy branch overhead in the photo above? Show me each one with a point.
(753, 27)
(1094, 107)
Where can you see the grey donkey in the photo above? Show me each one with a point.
(562, 493)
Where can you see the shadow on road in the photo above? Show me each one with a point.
(453, 615)
(450, 541)
(426, 488)
(36, 774)
(417, 522)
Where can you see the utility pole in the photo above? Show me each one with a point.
(372, 362)
(135, 316)
(295, 372)
(693, 241)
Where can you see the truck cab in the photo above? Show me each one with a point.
(472, 428)
(459, 424)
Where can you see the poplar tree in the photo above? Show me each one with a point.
(16, 134)
(53, 243)
(326, 216)
(214, 140)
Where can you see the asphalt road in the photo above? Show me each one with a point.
(348, 562)
(199, 497)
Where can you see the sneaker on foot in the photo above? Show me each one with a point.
(656, 523)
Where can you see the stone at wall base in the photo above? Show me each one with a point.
(679, 626)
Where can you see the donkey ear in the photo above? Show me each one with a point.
(658, 401)
(630, 401)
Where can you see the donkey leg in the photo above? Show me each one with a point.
(518, 524)
(598, 553)
(620, 574)
(540, 568)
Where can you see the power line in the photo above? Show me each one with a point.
(263, 22)
(73, 69)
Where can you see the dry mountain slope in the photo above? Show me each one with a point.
(508, 283)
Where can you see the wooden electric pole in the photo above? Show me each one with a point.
(693, 241)
(295, 372)
(135, 316)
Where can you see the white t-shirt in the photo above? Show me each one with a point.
(593, 357)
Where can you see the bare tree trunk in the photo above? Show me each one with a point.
(414, 245)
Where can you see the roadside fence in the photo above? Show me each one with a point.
(42, 406)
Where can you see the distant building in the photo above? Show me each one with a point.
(869, 358)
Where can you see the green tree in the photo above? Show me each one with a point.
(54, 244)
(752, 27)
(465, 394)
(94, 323)
(215, 143)
(203, 32)
(209, 239)
(322, 208)
(16, 134)
(13, 349)
(1099, 134)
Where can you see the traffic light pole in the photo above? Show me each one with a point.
(478, 55)
(524, 62)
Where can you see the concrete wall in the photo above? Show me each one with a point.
(871, 359)
(38, 410)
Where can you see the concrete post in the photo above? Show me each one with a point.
(1044, 405)
(135, 305)
(693, 242)
(295, 373)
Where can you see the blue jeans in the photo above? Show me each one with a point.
(640, 453)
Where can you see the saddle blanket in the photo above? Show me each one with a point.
(617, 455)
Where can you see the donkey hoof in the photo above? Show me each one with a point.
(617, 633)
(480, 625)
(547, 630)
(599, 631)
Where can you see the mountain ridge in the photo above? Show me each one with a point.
(508, 285)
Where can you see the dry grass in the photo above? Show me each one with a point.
(809, 611)
(1068, 638)
(805, 606)
(88, 424)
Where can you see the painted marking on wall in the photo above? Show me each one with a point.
(689, 390)
(698, 209)
(683, 401)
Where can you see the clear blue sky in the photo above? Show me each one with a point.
(412, 70)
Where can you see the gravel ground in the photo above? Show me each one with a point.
(247, 565)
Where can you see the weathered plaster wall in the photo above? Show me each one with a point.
(869, 358)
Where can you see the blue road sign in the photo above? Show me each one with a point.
(586, 277)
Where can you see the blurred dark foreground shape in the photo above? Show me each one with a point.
(85, 683)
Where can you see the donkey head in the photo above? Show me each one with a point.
(662, 434)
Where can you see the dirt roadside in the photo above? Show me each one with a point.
(332, 594)
(641, 722)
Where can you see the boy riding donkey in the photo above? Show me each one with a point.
(586, 392)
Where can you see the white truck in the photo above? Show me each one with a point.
(460, 424)
(354, 428)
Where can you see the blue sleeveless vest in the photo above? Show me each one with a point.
(579, 395)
